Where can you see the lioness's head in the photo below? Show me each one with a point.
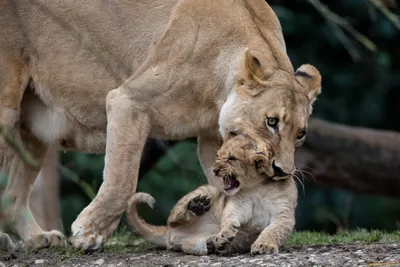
(273, 105)
(240, 162)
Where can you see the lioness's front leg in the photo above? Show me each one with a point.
(207, 150)
(235, 214)
(274, 236)
(128, 126)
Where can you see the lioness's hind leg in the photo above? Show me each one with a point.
(14, 78)
(15, 201)
(194, 204)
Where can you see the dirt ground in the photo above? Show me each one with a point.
(312, 256)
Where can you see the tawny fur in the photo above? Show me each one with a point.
(258, 216)
(99, 76)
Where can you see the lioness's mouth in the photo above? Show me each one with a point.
(230, 183)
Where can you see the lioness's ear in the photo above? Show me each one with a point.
(253, 67)
(310, 78)
(252, 76)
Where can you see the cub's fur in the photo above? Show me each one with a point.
(253, 212)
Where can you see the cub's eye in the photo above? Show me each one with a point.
(301, 134)
(272, 122)
(231, 157)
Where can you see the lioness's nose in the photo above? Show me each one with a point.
(278, 171)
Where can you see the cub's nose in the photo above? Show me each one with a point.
(278, 171)
(216, 170)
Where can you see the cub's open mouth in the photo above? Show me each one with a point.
(230, 183)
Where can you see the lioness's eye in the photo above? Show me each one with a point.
(273, 122)
(301, 134)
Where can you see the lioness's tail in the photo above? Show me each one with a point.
(154, 233)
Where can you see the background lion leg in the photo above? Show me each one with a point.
(192, 205)
(45, 198)
(207, 149)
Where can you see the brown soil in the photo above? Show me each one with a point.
(335, 255)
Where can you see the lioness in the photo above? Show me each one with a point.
(188, 68)
(252, 212)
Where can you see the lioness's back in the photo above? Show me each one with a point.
(80, 49)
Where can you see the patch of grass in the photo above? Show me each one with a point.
(125, 241)
(363, 236)
(67, 253)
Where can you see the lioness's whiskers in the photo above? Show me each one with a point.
(301, 182)
(309, 173)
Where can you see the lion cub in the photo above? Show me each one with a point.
(252, 213)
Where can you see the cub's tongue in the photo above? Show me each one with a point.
(230, 183)
(227, 182)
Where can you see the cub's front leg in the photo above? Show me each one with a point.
(274, 236)
(235, 214)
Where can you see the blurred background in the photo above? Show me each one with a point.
(350, 176)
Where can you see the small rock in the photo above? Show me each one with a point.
(309, 249)
(99, 262)
(41, 261)
(325, 254)
(359, 252)
(216, 264)
(253, 260)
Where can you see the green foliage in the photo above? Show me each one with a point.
(363, 236)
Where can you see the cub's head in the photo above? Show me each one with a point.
(273, 105)
(240, 162)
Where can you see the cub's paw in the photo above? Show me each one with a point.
(264, 248)
(221, 243)
(210, 246)
(199, 205)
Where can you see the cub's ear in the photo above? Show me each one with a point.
(310, 79)
(252, 76)
(260, 161)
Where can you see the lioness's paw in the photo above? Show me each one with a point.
(199, 205)
(264, 248)
(47, 239)
(87, 241)
(6, 243)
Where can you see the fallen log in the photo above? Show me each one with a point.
(353, 158)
